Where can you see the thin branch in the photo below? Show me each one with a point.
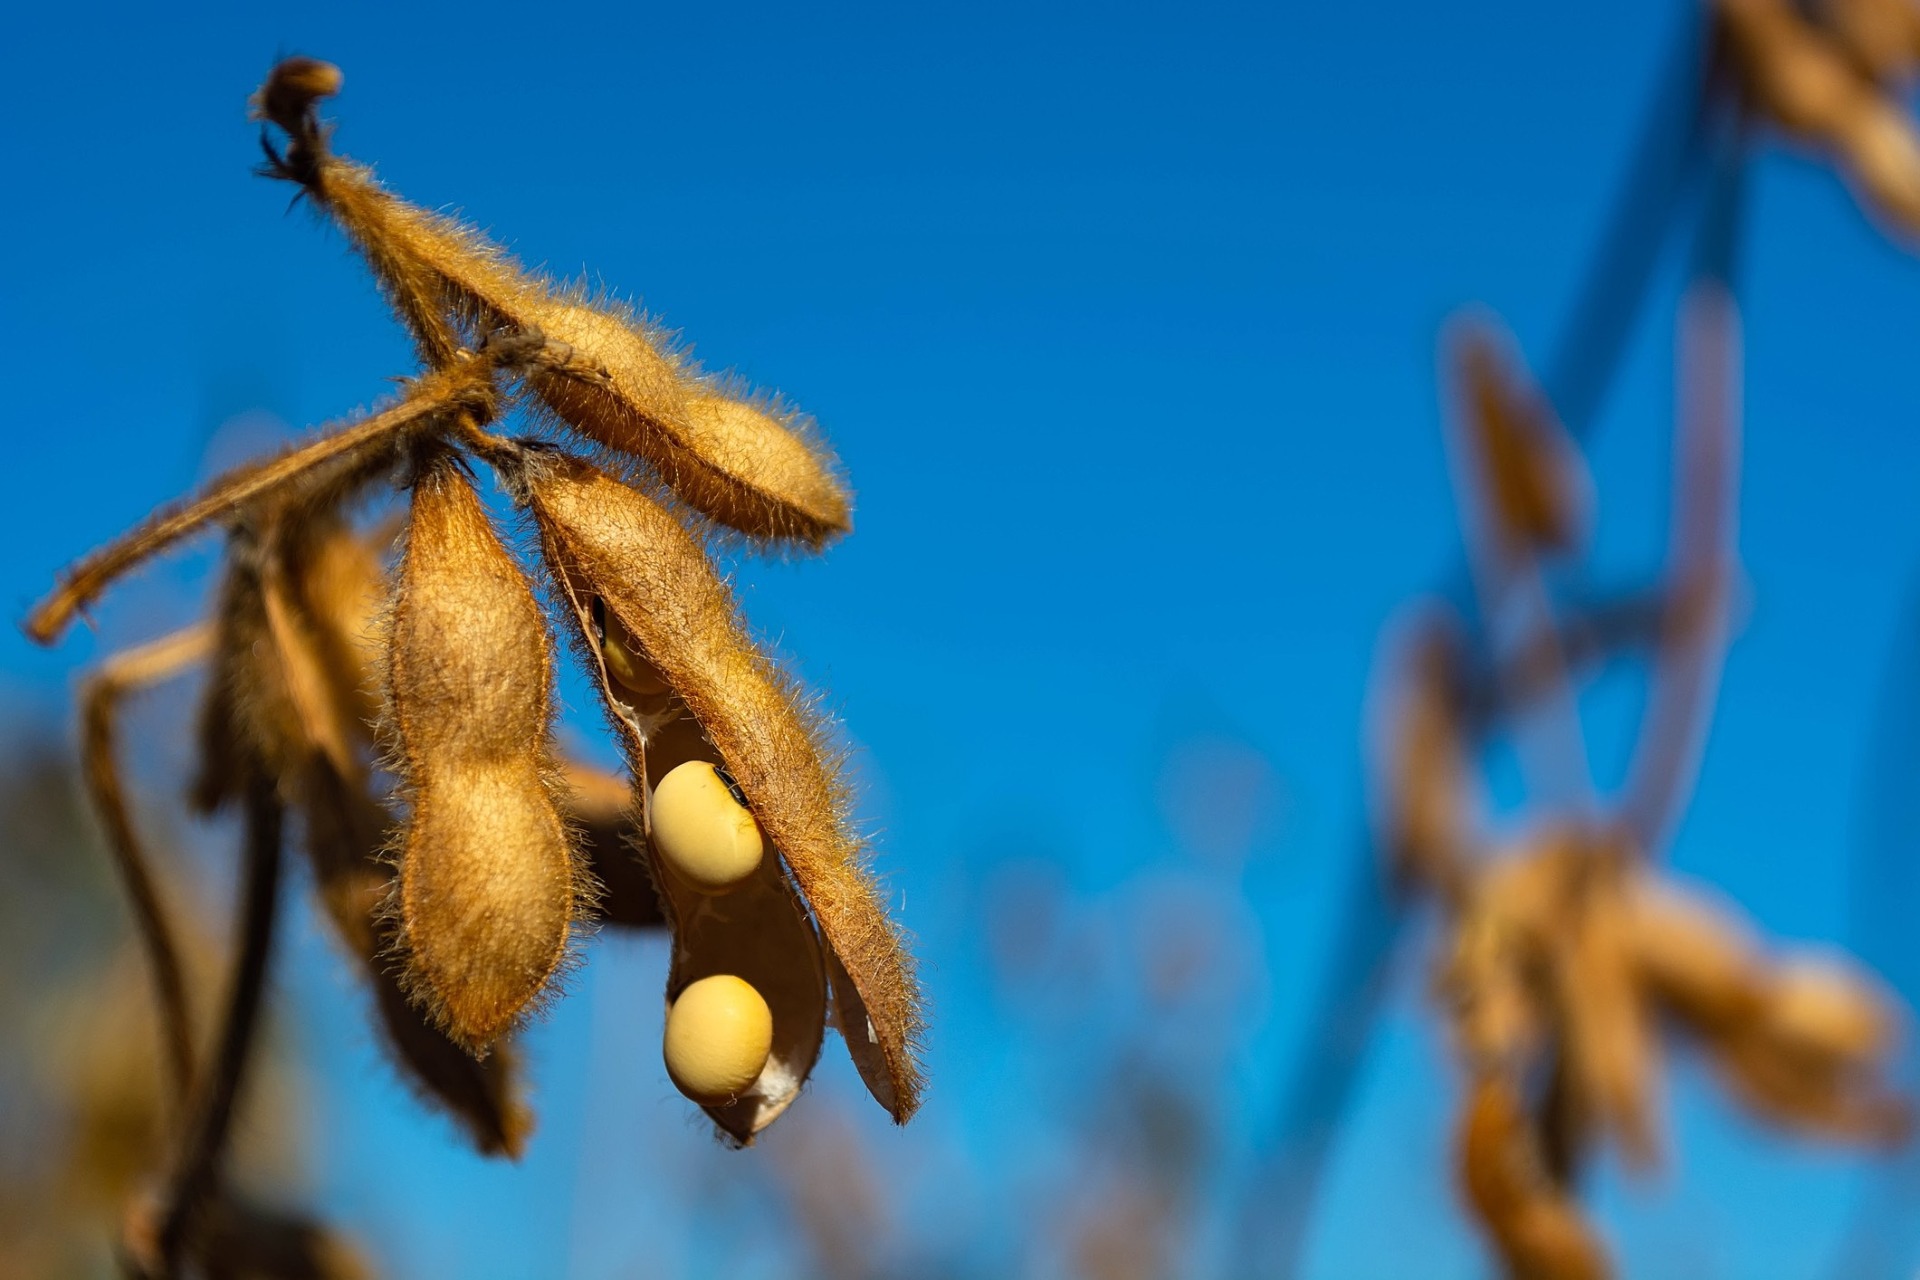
(197, 1170)
(1673, 732)
(1585, 636)
(1666, 157)
(125, 673)
(1318, 1091)
(428, 398)
(1516, 484)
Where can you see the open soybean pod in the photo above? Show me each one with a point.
(757, 930)
(750, 466)
(606, 541)
(322, 597)
(489, 885)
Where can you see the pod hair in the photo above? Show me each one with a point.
(489, 883)
(758, 930)
(747, 465)
(604, 539)
(322, 616)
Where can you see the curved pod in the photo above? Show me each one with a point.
(607, 540)
(487, 885)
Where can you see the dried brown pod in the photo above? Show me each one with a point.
(488, 886)
(603, 540)
(747, 465)
(1823, 84)
(1693, 957)
(1536, 1226)
(1536, 488)
(1607, 1037)
(750, 467)
(758, 931)
(1881, 37)
(323, 621)
(1823, 1009)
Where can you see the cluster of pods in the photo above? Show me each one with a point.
(399, 703)
(1567, 949)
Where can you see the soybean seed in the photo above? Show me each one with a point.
(718, 1035)
(703, 830)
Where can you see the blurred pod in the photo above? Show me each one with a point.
(240, 1240)
(1804, 1042)
(488, 881)
(1826, 82)
(1823, 1009)
(1534, 483)
(1820, 1099)
(1610, 1051)
(1535, 1225)
(604, 540)
(1695, 959)
(1882, 37)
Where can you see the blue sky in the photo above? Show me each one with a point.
(1122, 319)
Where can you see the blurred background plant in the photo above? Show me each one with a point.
(1115, 764)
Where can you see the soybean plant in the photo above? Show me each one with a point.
(398, 703)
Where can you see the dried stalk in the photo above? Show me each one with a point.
(124, 673)
(197, 1170)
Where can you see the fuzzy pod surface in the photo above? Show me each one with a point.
(757, 930)
(607, 540)
(488, 882)
(750, 467)
(324, 628)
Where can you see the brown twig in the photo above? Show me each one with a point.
(197, 1170)
(428, 397)
(124, 673)
(1693, 636)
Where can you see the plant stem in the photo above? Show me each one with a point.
(198, 1169)
(134, 669)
